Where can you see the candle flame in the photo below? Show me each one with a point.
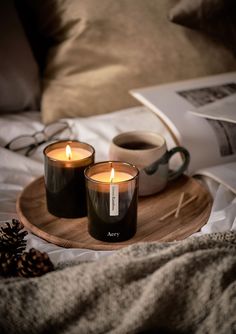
(68, 152)
(112, 175)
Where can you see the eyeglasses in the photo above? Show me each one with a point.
(30, 142)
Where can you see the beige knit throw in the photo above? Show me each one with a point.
(180, 287)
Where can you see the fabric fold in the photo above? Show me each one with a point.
(187, 286)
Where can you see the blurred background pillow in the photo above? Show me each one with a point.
(19, 77)
(215, 17)
(98, 51)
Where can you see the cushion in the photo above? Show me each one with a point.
(216, 17)
(101, 50)
(19, 80)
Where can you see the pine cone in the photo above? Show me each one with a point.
(8, 262)
(33, 263)
(12, 238)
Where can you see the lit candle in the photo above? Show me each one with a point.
(112, 176)
(69, 154)
(64, 164)
(112, 189)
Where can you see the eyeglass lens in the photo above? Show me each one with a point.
(53, 129)
(21, 143)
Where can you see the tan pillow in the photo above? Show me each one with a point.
(102, 49)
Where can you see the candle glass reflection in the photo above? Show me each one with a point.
(64, 165)
(112, 199)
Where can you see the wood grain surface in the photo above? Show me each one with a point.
(32, 211)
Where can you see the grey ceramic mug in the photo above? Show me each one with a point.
(148, 151)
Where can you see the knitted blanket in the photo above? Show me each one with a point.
(179, 287)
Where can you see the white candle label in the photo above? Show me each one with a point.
(114, 200)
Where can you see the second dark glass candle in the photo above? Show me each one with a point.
(112, 199)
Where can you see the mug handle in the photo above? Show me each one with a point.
(172, 175)
(149, 170)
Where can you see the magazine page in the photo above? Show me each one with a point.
(213, 101)
(224, 174)
(209, 141)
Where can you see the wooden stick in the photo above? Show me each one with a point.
(179, 205)
(190, 200)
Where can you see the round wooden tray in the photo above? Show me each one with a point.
(32, 211)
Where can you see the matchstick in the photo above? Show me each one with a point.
(190, 200)
(179, 205)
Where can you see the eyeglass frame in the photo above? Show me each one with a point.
(37, 143)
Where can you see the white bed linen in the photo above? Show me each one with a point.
(16, 170)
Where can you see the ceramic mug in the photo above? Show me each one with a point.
(148, 151)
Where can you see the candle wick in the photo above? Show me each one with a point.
(112, 176)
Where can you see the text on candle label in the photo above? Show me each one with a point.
(114, 200)
(113, 234)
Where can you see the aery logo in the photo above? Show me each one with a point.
(113, 234)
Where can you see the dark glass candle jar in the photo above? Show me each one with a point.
(112, 199)
(64, 165)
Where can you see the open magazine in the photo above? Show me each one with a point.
(213, 101)
(210, 139)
